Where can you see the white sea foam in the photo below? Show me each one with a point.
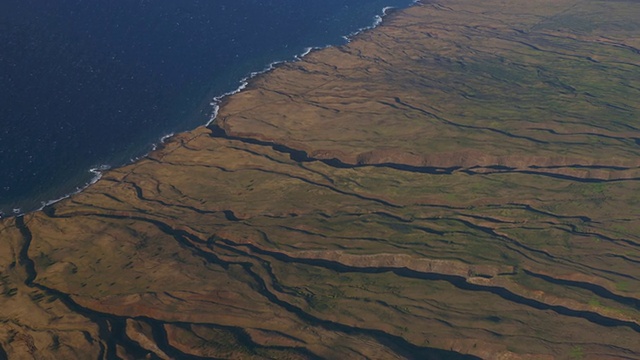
(154, 146)
(97, 172)
(214, 113)
(244, 82)
(305, 52)
(165, 137)
(308, 50)
(215, 103)
(377, 20)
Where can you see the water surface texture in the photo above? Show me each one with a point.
(91, 83)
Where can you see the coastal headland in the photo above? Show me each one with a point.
(460, 182)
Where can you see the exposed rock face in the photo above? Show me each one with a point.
(461, 182)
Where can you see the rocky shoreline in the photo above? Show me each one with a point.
(460, 182)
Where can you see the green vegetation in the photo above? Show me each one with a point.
(577, 353)
(482, 177)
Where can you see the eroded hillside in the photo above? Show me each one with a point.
(461, 182)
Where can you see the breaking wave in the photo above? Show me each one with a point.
(98, 171)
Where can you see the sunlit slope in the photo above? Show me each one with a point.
(545, 87)
(461, 182)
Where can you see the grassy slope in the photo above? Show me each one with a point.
(223, 247)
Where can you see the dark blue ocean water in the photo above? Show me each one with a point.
(85, 83)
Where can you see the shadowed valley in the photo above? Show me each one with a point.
(460, 182)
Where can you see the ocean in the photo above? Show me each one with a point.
(89, 84)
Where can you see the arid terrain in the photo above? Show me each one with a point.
(461, 182)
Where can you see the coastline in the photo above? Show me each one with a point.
(245, 81)
(402, 196)
(215, 103)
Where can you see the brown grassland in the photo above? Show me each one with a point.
(460, 182)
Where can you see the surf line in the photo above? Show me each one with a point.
(99, 170)
(244, 82)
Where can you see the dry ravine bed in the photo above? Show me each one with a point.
(461, 182)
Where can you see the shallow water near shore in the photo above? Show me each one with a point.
(89, 84)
